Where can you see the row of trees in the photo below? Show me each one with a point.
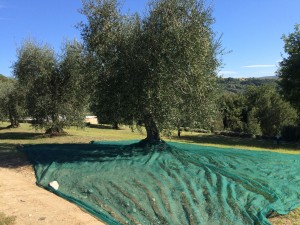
(159, 70)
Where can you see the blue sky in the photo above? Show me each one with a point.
(251, 29)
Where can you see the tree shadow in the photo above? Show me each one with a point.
(14, 156)
(20, 135)
(237, 141)
(10, 157)
(102, 126)
(100, 152)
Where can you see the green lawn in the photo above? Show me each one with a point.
(241, 143)
(25, 134)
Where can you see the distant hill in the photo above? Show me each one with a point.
(238, 85)
(3, 78)
(268, 77)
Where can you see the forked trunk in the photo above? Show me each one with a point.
(56, 129)
(151, 129)
(14, 123)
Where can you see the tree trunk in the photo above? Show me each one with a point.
(115, 126)
(14, 123)
(151, 129)
(56, 129)
(179, 132)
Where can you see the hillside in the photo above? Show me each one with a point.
(238, 85)
(3, 78)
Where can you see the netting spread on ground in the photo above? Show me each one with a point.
(127, 183)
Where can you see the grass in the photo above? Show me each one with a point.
(293, 218)
(7, 220)
(240, 143)
(11, 138)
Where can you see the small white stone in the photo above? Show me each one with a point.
(54, 185)
(153, 199)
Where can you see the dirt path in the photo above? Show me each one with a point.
(20, 197)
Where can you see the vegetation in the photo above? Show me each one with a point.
(289, 71)
(239, 85)
(156, 71)
(293, 218)
(258, 111)
(3, 78)
(11, 102)
(53, 86)
(159, 70)
(7, 220)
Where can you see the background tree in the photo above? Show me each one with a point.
(233, 111)
(53, 86)
(11, 102)
(160, 70)
(267, 108)
(289, 71)
(259, 110)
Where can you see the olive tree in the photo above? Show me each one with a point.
(11, 102)
(158, 70)
(53, 85)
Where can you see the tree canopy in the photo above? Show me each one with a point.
(289, 71)
(259, 111)
(158, 70)
(11, 102)
(269, 109)
(53, 85)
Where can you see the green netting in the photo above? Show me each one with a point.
(130, 183)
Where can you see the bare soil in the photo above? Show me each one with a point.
(32, 205)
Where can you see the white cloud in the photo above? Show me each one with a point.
(258, 66)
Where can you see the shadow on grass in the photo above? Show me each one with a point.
(236, 141)
(10, 157)
(20, 135)
(103, 126)
(100, 126)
